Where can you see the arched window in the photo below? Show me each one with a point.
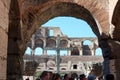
(50, 43)
(87, 42)
(38, 51)
(28, 50)
(98, 52)
(75, 51)
(86, 47)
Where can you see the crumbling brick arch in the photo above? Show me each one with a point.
(90, 11)
(50, 42)
(75, 51)
(64, 43)
(39, 43)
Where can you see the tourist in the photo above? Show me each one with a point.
(66, 77)
(56, 76)
(44, 76)
(51, 74)
(82, 77)
(74, 76)
(91, 77)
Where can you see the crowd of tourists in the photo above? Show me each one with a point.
(47, 75)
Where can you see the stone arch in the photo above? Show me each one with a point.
(90, 11)
(64, 43)
(33, 16)
(28, 51)
(39, 43)
(75, 51)
(87, 42)
(50, 42)
(87, 47)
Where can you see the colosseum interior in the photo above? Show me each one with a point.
(19, 19)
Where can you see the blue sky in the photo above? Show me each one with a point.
(72, 27)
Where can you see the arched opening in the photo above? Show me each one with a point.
(39, 15)
(50, 43)
(38, 43)
(28, 51)
(75, 51)
(71, 26)
(98, 52)
(63, 43)
(87, 47)
(38, 51)
(87, 42)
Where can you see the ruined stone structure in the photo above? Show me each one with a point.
(20, 18)
(80, 57)
(43, 39)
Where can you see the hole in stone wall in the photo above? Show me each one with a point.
(75, 66)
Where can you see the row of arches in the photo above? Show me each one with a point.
(39, 51)
(52, 42)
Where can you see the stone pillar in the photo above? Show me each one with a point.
(14, 61)
(111, 54)
(115, 68)
(115, 59)
(44, 52)
(68, 52)
(81, 51)
(15, 55)
(69, 65)
(106, 50)
(92, 52)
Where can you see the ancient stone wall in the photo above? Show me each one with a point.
(4, 22)
(33, 13)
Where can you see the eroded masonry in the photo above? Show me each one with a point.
(19, 19)
(79, 57)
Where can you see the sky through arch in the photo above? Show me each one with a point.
(70, 26)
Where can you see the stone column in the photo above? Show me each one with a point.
(81, 51)
(44, 52)
(15, 55)
(14, 61)
(69, 53)
(115, 59)
(111, 54)
(92, 52)
(106, 50)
